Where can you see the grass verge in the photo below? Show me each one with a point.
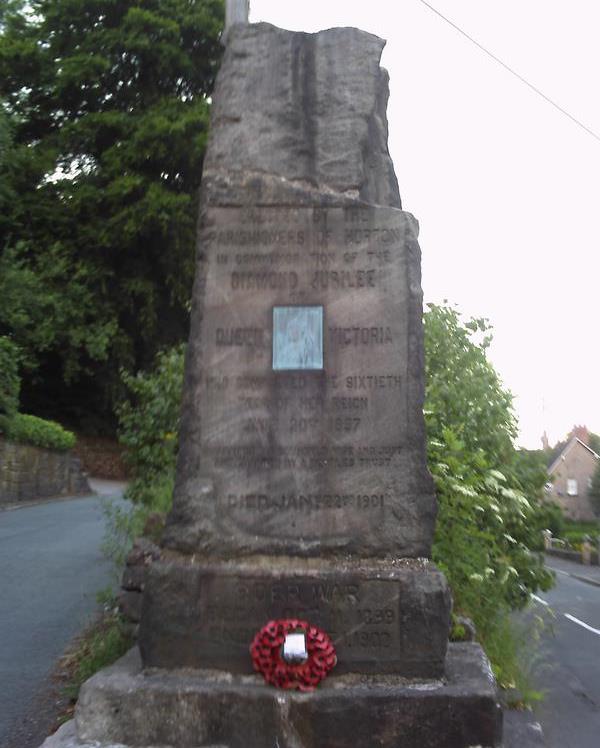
(512, 641)
(101, 644)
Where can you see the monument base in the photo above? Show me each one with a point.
(383, 616)
(126, 706)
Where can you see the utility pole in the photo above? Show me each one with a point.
(236, 11)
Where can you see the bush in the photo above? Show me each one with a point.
(553, 519)
(583, 527)
(26, 429)
(575, 533)
(125, 523)
(490, 516)
(575, 539)
(149, 426)
(10, 383)
(595, 487)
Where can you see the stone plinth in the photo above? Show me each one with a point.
(186, 709)
(382, 617)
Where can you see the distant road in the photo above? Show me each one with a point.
(51, 568)
(570, 650)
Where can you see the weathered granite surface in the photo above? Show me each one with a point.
(305, 462)
(143, 553)
(382, 617)
(187, 709)
(300, 118)
(28, 473)
(520, 731)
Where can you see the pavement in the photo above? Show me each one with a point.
(522, 730)
(51, 569)
(589, 574)
(565, 661)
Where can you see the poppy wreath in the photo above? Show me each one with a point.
(266, 651)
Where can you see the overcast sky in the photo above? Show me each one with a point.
(505, 187)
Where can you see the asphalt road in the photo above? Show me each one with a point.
(51, 567)
(567, 663)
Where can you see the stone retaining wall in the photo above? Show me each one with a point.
(101, 457)
(573, 555)
(28, 473)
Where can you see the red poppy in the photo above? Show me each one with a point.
(305, 675)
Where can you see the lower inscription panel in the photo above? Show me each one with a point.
(206, 616)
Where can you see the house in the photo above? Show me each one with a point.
(570, 478)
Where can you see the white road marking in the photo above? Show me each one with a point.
(539, 600)
(581, 623)
(559, 571)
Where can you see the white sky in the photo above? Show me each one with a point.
(506, 188)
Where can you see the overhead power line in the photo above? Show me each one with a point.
(510, 70)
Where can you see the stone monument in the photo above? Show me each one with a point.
(302, 488)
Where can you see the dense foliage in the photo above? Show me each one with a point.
(103, 132)
(595, 490)
(148, 428)
(38, 432)
(576, 533)
(490, 514)
(149, 424)
(594, 443)
(9, 378)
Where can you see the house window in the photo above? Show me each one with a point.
(571, 487)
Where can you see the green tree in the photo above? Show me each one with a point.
(530, 469)
(7, 195)
(490, 517)
(9, 381)
(595, 490)
(594, 442)
(149, 428)
(108, 106)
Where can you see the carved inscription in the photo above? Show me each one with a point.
(253, 336)
(256, 457)
(257, 281)
(306, 504)
(303, 413)
(360, 335)
(362, 618)
(342, 279)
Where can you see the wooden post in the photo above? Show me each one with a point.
(547, 539)
(586, 551)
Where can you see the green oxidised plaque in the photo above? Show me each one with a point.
(297, 337)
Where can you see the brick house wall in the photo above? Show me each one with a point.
(570, 475)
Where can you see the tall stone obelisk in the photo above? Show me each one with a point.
(302, 488)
